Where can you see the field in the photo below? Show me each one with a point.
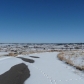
(73, 58)
(41, 63)
(44, 68)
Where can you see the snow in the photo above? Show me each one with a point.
(46, 70)
(77, 58)
(55, 69)
(7, 62)
(79, 61)
(3, 53)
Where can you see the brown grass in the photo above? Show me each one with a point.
(12, 54)
(62, 57)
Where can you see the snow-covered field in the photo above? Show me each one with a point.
(47, 69)
(3, 53)
(75, 58)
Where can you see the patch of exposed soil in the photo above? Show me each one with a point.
(16, 75)
(34, 56)
(27, 60)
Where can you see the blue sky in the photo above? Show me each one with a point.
(41, 21)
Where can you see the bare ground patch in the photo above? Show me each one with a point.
(27, 60)
(34, 56)
(16, 75)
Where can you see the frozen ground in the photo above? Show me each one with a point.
(46, 70)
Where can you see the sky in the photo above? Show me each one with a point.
(41, 21)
